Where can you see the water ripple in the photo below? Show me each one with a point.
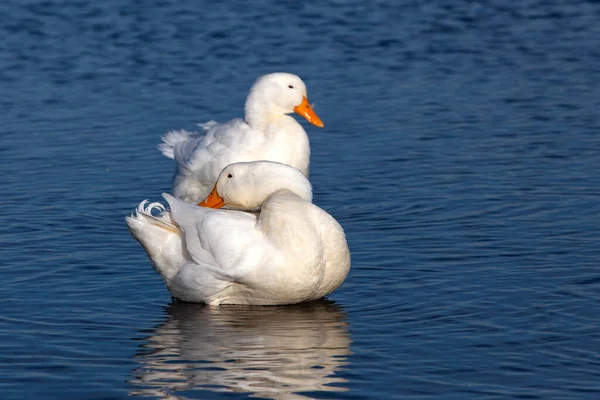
(460, 154)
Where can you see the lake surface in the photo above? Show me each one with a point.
(461, 153)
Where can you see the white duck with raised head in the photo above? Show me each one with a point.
(266, 133)
(291, 251)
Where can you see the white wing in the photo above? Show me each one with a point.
(225, 247)
(201, 157)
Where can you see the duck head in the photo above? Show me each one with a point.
(277, 94)
(246, 185)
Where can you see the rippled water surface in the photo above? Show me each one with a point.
(461, 153)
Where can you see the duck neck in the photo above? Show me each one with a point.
(284, 218)
(259, 112)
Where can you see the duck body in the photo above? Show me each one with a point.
(266, 133)
(291, 252)
(201, 157)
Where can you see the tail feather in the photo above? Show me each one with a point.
(160, 237)
(171, 140)
(162, 220)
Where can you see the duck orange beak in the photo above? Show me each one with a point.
(213, 200)
(307, 112)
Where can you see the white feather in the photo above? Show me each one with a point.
(292, 252)
(266, 133)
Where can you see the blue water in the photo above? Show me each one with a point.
(461, 153)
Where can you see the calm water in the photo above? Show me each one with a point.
(461, 153)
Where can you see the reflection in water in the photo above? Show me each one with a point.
(271, 352)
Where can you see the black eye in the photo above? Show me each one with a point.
(229, 176)
(290, 86)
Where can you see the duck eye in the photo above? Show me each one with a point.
(290, 86)
(229, 176)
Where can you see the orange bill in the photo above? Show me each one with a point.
(213, 200)
(307, 112)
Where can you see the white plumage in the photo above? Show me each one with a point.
(266, 133)
(293, 251)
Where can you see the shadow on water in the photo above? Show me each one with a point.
(270, 352)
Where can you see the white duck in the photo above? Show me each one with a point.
(293, 251)
(266, 133)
